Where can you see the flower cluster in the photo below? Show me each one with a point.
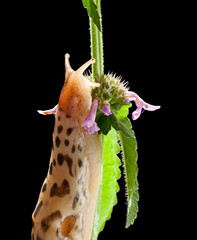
(111, 91)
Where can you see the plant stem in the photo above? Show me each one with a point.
(97, 72)
(97, 45)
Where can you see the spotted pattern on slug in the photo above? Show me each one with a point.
(69, 131)
(38, 209)
(66, 142)
(54, 162)
(59, 129)
(80, 148)
(60, 191)
(66, 203)
(44, 187)
(73, 149)
(45, 222)
(57, 141)
(75, 201)
(65, 158)
(80, 163)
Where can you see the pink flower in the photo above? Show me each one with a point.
(106, 109)
(89, 124)
(131, 96)
(48, 112)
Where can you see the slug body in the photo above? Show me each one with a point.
(67, 201)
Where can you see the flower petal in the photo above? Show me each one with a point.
(89, 124)
(106, 109)
(140, 104)
(93, 129)
(48, 112)
(130, 99)
(151, 107)
(136, 114)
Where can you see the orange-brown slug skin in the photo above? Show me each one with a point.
(75, 98)
(67, 201)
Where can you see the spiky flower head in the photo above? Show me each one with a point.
(112, 90)
(110, 95)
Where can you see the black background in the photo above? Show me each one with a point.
(141, 45)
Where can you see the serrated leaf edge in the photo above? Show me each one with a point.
(117, 175)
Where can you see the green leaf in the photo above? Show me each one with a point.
(109, 187)
(121, 122)
(117, 120)
(92, 12)
(129, 148)
(124, 111)
(117, 106)
(103, 122)
(133, 205)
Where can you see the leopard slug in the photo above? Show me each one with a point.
(67, 200)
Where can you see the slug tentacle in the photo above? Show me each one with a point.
(67, 63)
(68, 68)
(81, 70)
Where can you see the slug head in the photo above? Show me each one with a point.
(75, 98)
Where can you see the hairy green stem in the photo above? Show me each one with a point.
(97, 72)
(97, 45)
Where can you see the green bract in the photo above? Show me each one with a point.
(112, 90)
